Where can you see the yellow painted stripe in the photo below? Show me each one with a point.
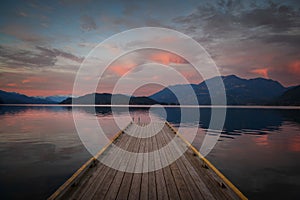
(81, 170)
(210, 165)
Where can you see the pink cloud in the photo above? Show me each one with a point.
(11, 84)
(294, 67)
(121, 69)
(262, 72)
(167, 58)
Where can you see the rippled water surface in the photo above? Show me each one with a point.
(259, 148)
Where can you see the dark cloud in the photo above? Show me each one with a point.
(292, 40)
(87, 23)
(56, 52)
(72, 2)
(237, 20)
(277, 18)
(23, 58)
(244, 36)
(44, 57)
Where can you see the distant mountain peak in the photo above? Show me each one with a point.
(291, 97)
(16, 98)
(106, 99)
(239, 91)
(231, 76)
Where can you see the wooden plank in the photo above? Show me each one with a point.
(77, 176)
(193, 189)
(185, 178)
(211, 183)
(83, 186)
(103, 181)
(135, 188)
(188, 173)
(117, 180)
(151, 175)
(101, 169)
(169, 179)
(204, 181)
(214, 173)
(127, 178)
(180, 176)
(184, 163)
(161, 187)
(90, 184)
(197, 188)
(145, 175)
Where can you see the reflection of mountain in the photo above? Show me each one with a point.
(291, 115)
(18, 109)
(252, 121)
(239, 120)
(99, 111)
(107, 99)
(238, 91)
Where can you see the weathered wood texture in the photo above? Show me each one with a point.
(184, 178)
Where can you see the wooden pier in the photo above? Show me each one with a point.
(191, 176)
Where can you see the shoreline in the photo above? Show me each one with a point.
(156, 105)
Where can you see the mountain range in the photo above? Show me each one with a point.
(239, 91)
(16, 98)
(56, 98)
(107, 99)
(290, 97)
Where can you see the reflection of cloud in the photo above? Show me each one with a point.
(294, 144)
(261, 140)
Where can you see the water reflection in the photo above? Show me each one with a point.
(238, 120)
(38, 150)
(259, 149)
(249, 121)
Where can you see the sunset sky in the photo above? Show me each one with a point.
(43, 44)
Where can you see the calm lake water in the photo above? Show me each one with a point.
(259, 149)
